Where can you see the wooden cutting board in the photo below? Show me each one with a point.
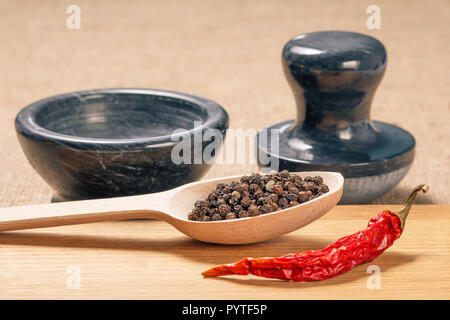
(146, 259)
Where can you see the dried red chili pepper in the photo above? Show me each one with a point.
(337, 258)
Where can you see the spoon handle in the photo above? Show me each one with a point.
(86, 211)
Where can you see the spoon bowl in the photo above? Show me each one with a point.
(173, 206)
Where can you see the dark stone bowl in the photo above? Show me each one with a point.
(118, 142)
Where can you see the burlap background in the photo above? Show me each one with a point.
(227, 51)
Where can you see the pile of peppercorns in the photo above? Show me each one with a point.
(257, 194)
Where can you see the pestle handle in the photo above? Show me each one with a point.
(333, 75)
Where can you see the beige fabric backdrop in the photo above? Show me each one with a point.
(227, 51)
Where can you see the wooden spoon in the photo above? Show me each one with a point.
(173, 207)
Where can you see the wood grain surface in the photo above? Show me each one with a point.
(148, 259)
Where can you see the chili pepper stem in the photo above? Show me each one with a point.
(403, 212)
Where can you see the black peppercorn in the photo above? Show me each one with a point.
(237, 208)
(260, 201)
(224, 209)
(243, 214)
(220, 186)
(266, 209)
(255, 179)
(318, 180)
(277, 189)
(203, 211)
(302, 196)
(257, 194)
(253, 211)
(236, 194)
(284, 174)
(233, 201)
(228, 189)
(193, 216)
(230, 215)
(245, 179)
(288, 184)
(293, 190)
(273, 197)
(269, 185)
(245, 202)
(323, 189)
(254, 187)
(212, 196)
(292, 197)
(198, 203)
(213, 204)
(242, 187)
(283, 202)
(226, 197)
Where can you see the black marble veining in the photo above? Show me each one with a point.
(114, 142)
(334, 76)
